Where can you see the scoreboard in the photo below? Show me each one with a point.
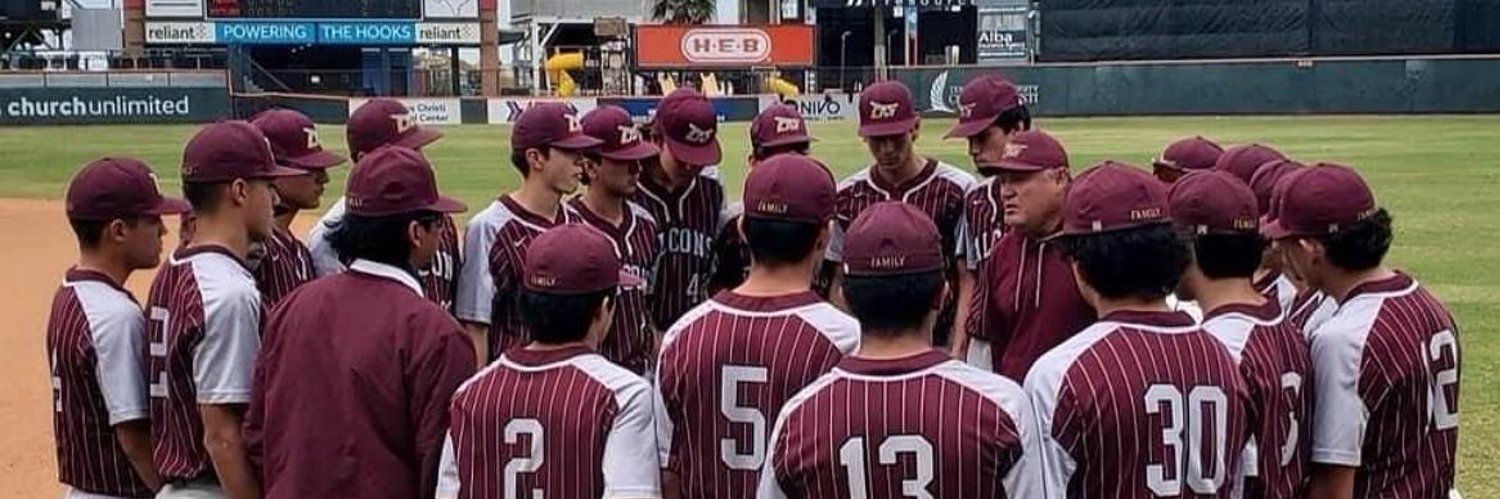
(315, 9)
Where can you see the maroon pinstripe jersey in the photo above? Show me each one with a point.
(1140, 405)
(1311, 309)
(285, 265)
(631, 336)
(687, 222)
(560, 424)
(490, 284)
(95, 339)
(1277, 372)
(938, 190)
(982, 226)
(1387, 390)
(1278, 287)
(440, 281)
(731, 253)
(920, 426)
(203, 324)
(1031, 302)
(726, 369)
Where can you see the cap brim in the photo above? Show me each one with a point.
(697, 155)
(170, 206)
(279, 171)
(321, 160)
(576, 142)
(419, 137)
(968, 129)
(785, 141)
(628, 280)
(446, 205)
(888, 129)
(639, 151)
(1012, 166)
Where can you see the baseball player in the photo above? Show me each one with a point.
(546, 148)
(1217, 212)
(204, 316)
(1385, 422)
(96, 340)
(778, 129)
(379, 123)
(287, 263)
(889, 124)
(990, 112)
(352, 401)
(1031, 301)
(683, 193)
(730, 364)
(1143, 403)
(1271, 278)
(1310, 306)
(1185, 155)
(898, 418)
(612, 173)
(1243, 161)
(553, 418)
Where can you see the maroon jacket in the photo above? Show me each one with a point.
(1031, 303)
(351, 397)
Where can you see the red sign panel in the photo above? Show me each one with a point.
(780, 45)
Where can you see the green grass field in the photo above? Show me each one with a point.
(1437, 174)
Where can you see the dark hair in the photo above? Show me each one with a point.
(1228, 256)
(1363, 246)
(1014, 119)
(779, 242)
(762, 153)
(204, 196)
(91, 232)
(518, 159)
(377, 239)
(1140, 262)
(554, 319)
(887, 304)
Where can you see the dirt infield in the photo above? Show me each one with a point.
(39, 246)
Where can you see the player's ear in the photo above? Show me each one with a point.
(239, 191)
(115, 231)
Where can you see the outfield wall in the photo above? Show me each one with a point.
(28, 98)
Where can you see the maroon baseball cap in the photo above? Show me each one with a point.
(394, 180)
(228, 150)
(886, 109)
(1322, 199)
(1113, 196)
(777, 126)
(1242, 161)
(620, 138)
(381, 122)
(574, 259)
(1031, 151)
(688, 124)
(790, 187)
(1263, 183)
(1191, 153)
(1213, 202)
(111, 188)
(294, 140)
(981, 101)
(550, 124)
(892, 238)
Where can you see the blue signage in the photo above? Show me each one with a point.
(367, 33)
(265, 33)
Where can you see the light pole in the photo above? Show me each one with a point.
(843, 55)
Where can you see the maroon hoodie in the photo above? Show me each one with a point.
(1031, 303)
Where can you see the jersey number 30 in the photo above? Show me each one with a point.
(1190, 428)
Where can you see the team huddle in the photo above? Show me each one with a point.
(1225, 327)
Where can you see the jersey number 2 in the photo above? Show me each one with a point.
(156, 333)
(1188, 436)
(852, 458)
(1444, 412)
(529, 464)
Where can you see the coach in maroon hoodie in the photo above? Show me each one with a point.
(356, 369)
(1031, 302)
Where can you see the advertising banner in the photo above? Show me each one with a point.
(823, 107)
(77, 106)
(727, 108)
(506, 111)
(1003, 34)
(680, 46)
(425, 111)
(936, 90)
(363, 33)
(175, 33)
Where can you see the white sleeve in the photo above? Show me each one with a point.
(770, 487)
(224, 361)
(448, 482)
(1057, 467)
(835, 251)
(325, 259)
(965, 244)
(119, 349)
(476, 288)
(631, 468)
(1339, 414)
(1025, 480)
(979, 354)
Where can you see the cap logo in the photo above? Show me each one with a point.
(699, 135)
(1097, 226)
(629, 134)
(543, 281)
(574, 125)
(403, 122)
(772, 207)
(1014, 150)
(313, 142)
(883, 111)
(1245, 224)
(155, 182)
(785, 125)
(966, 110)
(1145, 214)
(888, 262)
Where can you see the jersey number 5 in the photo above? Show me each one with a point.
(730, 378)
(1186, 433)
(529, 464)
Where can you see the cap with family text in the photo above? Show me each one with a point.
(574, 259)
